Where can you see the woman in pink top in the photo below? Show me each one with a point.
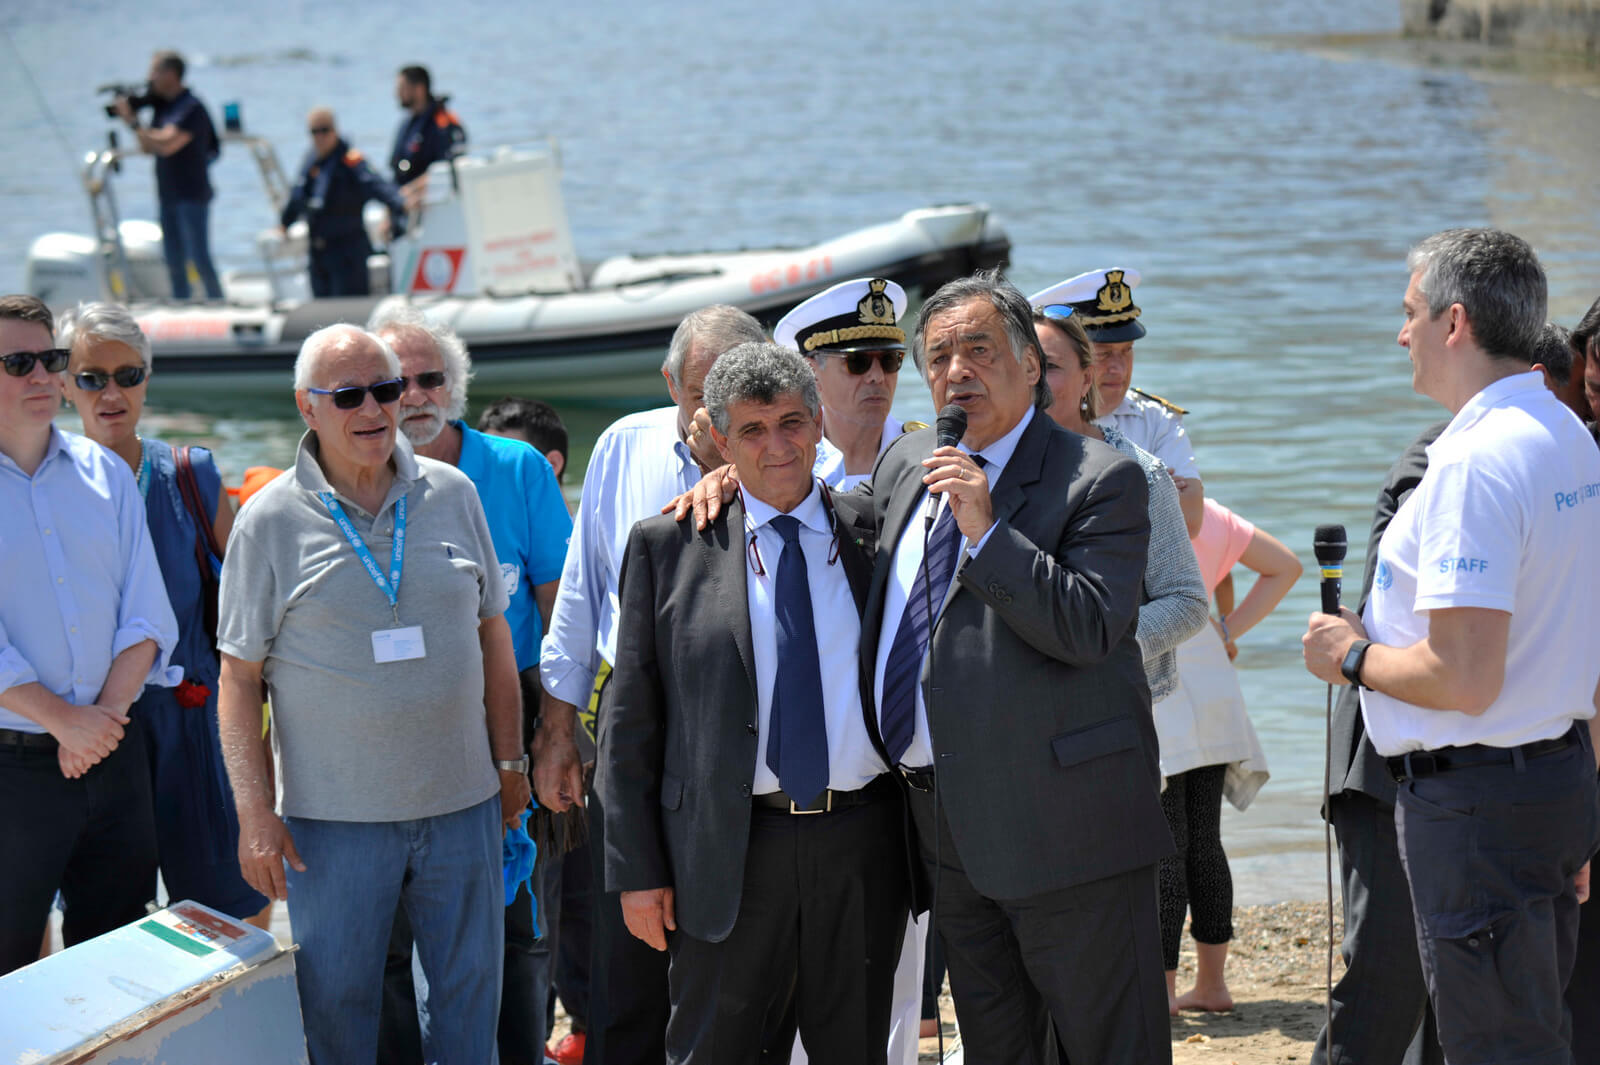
(1209, 749)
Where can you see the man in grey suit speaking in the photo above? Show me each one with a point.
(1026, 736)
(752, 825)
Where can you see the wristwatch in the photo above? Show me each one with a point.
(513, 765)
(1351, 666)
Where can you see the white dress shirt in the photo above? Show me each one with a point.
(907, 563)
(852, 762)
(638, 464)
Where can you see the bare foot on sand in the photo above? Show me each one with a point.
(1211, 1000)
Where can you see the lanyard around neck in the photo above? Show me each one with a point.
(388, 584)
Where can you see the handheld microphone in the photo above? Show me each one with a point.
(1329, 546)
(950, 426)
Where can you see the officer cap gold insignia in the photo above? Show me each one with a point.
(1102, 301)
(857, 315)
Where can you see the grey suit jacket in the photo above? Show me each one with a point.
(1352, 762)
(678, 736)
(1045, 750)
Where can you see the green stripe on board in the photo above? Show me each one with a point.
(177, 939)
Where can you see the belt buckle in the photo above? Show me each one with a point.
(1421, 763)
(827, 805)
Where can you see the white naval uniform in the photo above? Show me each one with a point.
(1156, 429)
(831, 467)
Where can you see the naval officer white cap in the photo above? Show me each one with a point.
(856, 315)
(1101, 300)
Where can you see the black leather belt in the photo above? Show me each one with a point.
(829, 801)
(919, 779)
(39, 740)
(1427, 763)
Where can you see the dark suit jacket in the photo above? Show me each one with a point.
(1046, 752)
(1353, 763)
(678, 737)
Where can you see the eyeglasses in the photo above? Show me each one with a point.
(124, 376)
(1058, 311)
(352, 396)
(317, 131)
(859, 362)
(428, 381)
(20, 363)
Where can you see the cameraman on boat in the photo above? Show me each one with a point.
(334, 185)
(429, 132)
(185, 144)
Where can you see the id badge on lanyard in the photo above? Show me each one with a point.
(403, 642)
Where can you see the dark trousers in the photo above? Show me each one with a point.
(93, 839)
(525, 986)
(185, 239)
(340, 269)
(1080, 966)
(574, 940)
(932, 974)
(629, 999)
(1195, 879)
(1583, 990)
(1381, 1014)
(1490, 852)
(823, 911)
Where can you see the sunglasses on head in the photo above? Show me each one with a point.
(428, 381)
(95, 380)
(1058, 311)
(352, 396)
(859, 362)
(20, 363)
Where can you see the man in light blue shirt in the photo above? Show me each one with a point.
(638, 464)
(84, 626)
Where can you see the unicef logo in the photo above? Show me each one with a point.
(1385, 579)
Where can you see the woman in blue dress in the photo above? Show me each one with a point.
(196, 827)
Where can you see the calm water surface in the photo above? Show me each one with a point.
(1266, 185)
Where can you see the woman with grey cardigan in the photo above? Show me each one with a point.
(1176, 604)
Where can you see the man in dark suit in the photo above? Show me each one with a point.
(1380, 1004)
(1026, 735)
(751, 824)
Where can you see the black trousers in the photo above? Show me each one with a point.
(628, 996)
(574, 940)
(823, 911)
(340, 269)
(1381, 1014)
(1076, 971)
(1489, 852)
(1583, 990)
(93, 839)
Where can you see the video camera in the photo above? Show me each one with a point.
(138, 96)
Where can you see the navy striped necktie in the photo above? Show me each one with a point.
(898, 716)
(797, 729)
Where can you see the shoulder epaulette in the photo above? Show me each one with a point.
(911, 427)
(1167, 403)
(444, 118)
(353, 158)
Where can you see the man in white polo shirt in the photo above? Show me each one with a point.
(1477, 679)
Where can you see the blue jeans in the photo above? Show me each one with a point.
(445, 871)
(185, 236)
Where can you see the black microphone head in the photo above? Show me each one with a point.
(1329, 545)
(951, 425)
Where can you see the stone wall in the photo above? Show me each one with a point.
(1551, 25)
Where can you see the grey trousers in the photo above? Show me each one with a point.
(1490, 852)
(1381, 1014)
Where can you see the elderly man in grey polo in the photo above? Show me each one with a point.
(362, 586)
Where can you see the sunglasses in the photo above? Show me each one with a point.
(20, 363)
(428, 381)
(1058, 311)
(317, 131)
(859, 362)
(352, 396)
(95, 380)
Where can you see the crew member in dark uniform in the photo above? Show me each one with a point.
(335, 183)
(429, 132)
